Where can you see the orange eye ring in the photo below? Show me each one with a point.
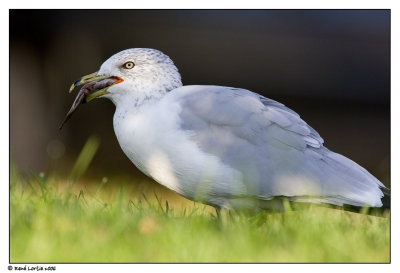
(128, 65)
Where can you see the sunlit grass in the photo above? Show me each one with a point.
(64, 221)
(114, 220)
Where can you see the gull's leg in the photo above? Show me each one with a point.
(223, 215)
(218, 211)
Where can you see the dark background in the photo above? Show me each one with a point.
(330, 66)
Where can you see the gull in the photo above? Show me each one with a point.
(227, 147)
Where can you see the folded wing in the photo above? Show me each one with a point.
(276, 151)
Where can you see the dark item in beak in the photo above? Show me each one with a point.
(89, 91)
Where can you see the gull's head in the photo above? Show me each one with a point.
(141, 70)
(132, 75)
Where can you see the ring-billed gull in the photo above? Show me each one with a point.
(227, 147)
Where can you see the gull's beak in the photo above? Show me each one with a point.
(94, 86)
(94, 78)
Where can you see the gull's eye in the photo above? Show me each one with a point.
(128, 65)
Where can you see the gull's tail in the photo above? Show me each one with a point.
(340, 182)
(351, 184)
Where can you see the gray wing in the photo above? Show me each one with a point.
(276, 151)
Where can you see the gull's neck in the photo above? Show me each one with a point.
(133, 101)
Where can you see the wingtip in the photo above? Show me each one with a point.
(385, 191)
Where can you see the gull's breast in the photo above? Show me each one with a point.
(153, 140)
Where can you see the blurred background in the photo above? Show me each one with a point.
(330, 66)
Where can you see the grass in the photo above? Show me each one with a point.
(54, 220)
